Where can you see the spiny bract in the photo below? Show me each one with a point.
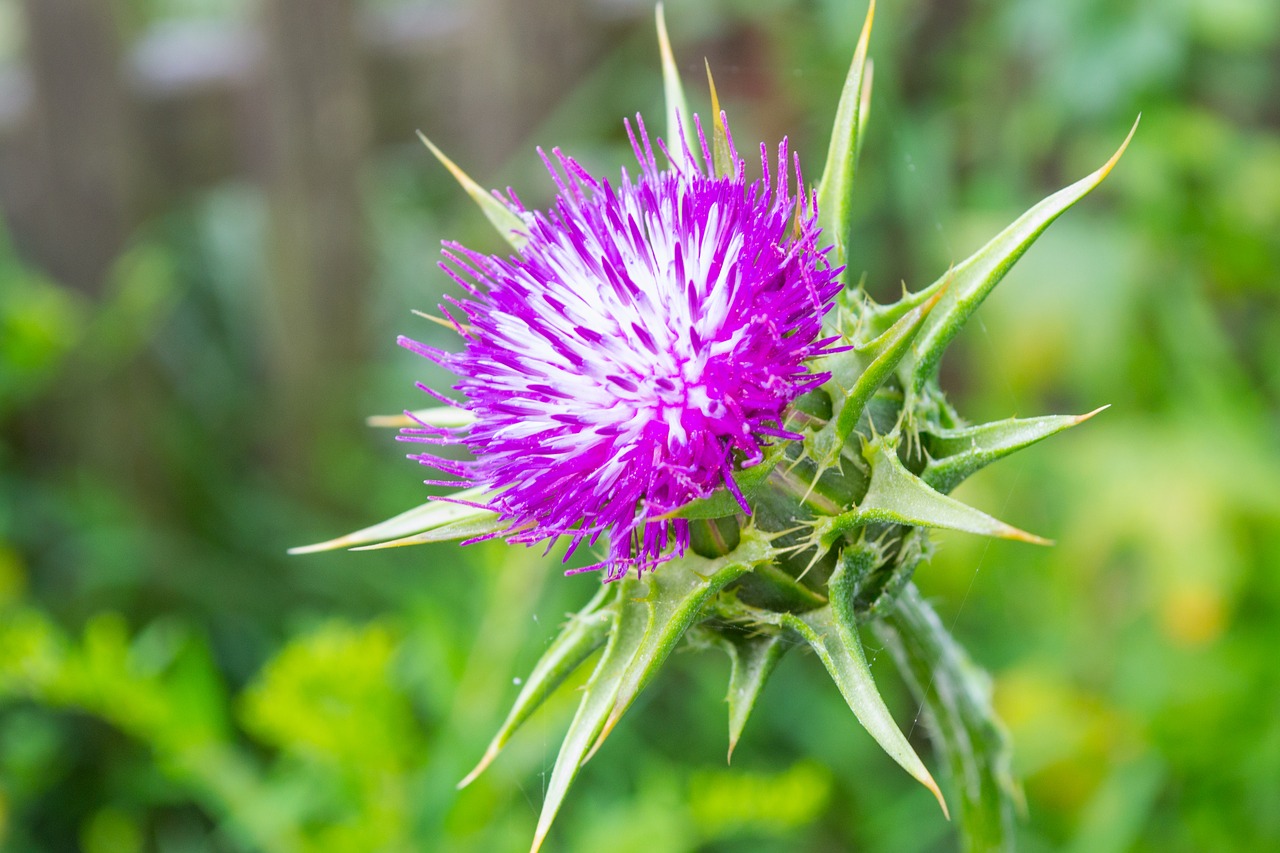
(797, 518)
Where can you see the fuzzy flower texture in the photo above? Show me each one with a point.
(645, 343)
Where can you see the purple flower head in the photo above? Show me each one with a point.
(644, 344)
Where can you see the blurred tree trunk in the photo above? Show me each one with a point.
(70, 186)
(521, 58)
(317, 131)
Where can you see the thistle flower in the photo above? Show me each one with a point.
(679, 363)
(644, 343)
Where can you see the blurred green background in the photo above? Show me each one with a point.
(218, 219)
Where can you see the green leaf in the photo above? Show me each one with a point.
(448, 519)
(864, 107)
(678, 115)
(721, 156)
(858, 373)
(896, 495)
(965, 286)
(832, 633)
(874, 319)
(585, 632)
(677, 592)
(836, 627)
(835, 189)
(652, 616)
(597, 700)
(501, 215)
(468, 528)
(955, 697)
(900, 497)
(753, 657)
(840, 651)
(955, 454)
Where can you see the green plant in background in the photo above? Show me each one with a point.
(1133, 663)
(329, 704)
(814, 536)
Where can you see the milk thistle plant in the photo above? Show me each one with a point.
(682, 365)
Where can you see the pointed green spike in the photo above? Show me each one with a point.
(955, 697)
(835, 189)
(753, 659)
(864, 108)
(900, 497)
(843, 589)
(721, 157)
(678, 115)
(500, 215)
(897, 495)
(875, 318)
(841, 653)
(955, 454)
(429, 516)
(677, 593)
(856, 374)
(585, 632)
(450, 324)
(445, 417)
(969, 283)
(844, 318)
(597, 700)
(486, 525)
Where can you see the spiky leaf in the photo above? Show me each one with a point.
(858, 373)
(841, 653)
(456, 518)
(753, 658)
(956, 699)
(968, 284)
(835, 189)
(585, 632)
(721, 156)
(900, 497)
(653, 615)
(955, 454)
(500, 215)
(597, 701)
(676, 596)
(864, 107)
(679, 120)
(472, 529)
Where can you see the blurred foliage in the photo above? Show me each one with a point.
(170, 681)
